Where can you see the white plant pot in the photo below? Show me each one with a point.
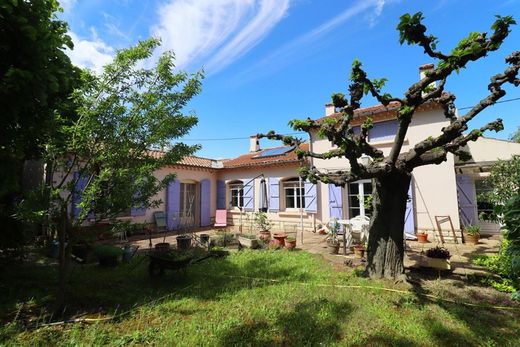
(437, 263)
(248, 243)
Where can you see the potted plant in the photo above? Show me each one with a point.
(438, 258)
(183, 242)
(472, 233)
(290, 242)
(248, 240)
(422, 237)
(108, 255)
(264, 225)
(162, 247)
(359, 250)
(280, 239)
(332, 240)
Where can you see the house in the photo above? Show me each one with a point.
(268, 179)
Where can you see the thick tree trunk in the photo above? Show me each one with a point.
(386, 231)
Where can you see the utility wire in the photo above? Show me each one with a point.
(301, 133)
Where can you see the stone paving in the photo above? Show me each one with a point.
(415, 251)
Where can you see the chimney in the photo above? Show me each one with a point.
(329, 109)
(423, 69)
(254, 144)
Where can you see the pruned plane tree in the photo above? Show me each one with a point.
(391, 174)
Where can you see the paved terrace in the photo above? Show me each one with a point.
(415, 251)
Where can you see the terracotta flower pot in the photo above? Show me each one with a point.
(290, 244)
(333, 248)
(422, 237)
(359, 251)
(280, 238)
(264, 235)
(162, 247)
(473, 239)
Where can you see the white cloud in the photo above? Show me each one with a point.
(92, 54)
(289, 50)
(67, 5)
(215, 32)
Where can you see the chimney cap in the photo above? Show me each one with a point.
(426, 67)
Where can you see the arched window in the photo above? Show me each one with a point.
(294, 193)
(236, 194)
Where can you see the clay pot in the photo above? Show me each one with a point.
(290, 245)
(280, 238)
(422, 238)
(359, 251)
(473, 239)
(333, 247)
(264, 235)
(183, 242)
(162, 247)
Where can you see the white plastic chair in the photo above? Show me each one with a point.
(359, 228)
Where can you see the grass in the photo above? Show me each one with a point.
(212, 305)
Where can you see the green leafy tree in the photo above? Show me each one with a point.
(503, 182)
(515, 136)
(36, 78)
(391, 174)
(106, 159)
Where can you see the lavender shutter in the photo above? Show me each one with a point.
(466, 199)
(383, 131)
(137, 211)
(310, 197)
(221, 195)
(81, 183)
(335, 202)
(205, 199)
(249, 195)
(274, 194)
(173, 203)
(409, 219)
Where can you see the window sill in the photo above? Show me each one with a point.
(291, 213)
(385, 143)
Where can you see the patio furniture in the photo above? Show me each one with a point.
(220, 219)
(356, 229)
(160, 220)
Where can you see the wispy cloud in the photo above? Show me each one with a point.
(90, 53)
(215, 33)
(289, 51)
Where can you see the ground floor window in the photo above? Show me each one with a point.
(293, 193)
(236, 192)
(360, 198)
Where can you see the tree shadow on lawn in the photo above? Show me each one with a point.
(309, 323)
(487, 325)
(94, 289)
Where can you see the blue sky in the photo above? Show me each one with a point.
(269, 61)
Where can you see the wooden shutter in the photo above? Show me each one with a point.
(249, 195)
(274, 194)
(466, 197)
(173, 204)
(409, 219)
(310, 197)
(205, 203)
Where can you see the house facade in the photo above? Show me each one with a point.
(267, 179)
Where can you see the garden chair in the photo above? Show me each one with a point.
(160, 220)
(220, 219)
(359, 228)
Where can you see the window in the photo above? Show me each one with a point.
(360, 198)
(294, 195)
(383, 131)
(236, 190)
(484, 207)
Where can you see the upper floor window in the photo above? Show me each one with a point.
(293, 193)
(236, 194)
(383, 131)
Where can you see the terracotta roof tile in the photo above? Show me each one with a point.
(190, 161)
(248, 160)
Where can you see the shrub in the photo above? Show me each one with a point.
(438, 252)
(107, 251)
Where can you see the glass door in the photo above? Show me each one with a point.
(360, 198)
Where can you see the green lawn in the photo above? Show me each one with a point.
(208, 308)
